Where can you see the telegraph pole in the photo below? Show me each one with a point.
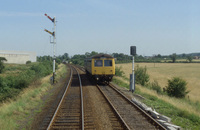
(54, 42)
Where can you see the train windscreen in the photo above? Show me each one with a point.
(107, 62)
(98, 63)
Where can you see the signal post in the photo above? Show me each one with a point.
(54, 42)
(132, 76)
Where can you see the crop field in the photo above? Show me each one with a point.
(162, 72)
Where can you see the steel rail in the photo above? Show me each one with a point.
(115, 110)
(52, 119)
(82, 113)
(147, 115)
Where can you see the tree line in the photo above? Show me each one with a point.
(124, 58)
(119, 58)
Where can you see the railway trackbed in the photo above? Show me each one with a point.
(76, 111)
(69, 113)
(84, 106)
(135, 117)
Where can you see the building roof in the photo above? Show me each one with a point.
(102, 56)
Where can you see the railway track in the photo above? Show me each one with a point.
(46, 116)
(135, 117)
(90, 121)
(78, 108)
(115, 118)
(69, 114)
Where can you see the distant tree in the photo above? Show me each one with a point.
(58, 60)
(93, 53)
(78, 59)
(62, 58)
(122, 58)
(87, 54)
(44, 58)
(173, 57)
(66, 56)
(189, 58)
(2, 59)
(139, 57)
(159, 56)
(183, 55)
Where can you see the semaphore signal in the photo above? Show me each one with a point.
(52, 33)
(54, 42)
(50, 18)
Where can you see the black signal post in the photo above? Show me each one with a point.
(132, 76)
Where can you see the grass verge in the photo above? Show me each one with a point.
(184, 118)
(14, 112)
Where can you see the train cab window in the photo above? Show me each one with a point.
(98, 63)
(107, 62)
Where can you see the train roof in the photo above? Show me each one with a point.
(102, 55)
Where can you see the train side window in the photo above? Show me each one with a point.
(98, 63)
(107, 62)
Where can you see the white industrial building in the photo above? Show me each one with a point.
(18, 57)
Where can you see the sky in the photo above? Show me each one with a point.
(108, 26)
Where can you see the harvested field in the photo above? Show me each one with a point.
(162, 72)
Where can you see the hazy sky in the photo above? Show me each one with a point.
(153, 26)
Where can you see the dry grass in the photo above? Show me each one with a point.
(181, 104)
(178, 103)
(162, 72)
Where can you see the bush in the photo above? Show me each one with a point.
(11, 85)
(141, 75)
(1, 67)
(20, 81)
(2, 84)
(42, 69)
(58, 61)
(155, 86)
(118, 71)
(24, 79)
(177, 88)
(2, 64)
(9, 93)
(28, 62)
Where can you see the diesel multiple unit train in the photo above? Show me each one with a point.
(101, 67)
